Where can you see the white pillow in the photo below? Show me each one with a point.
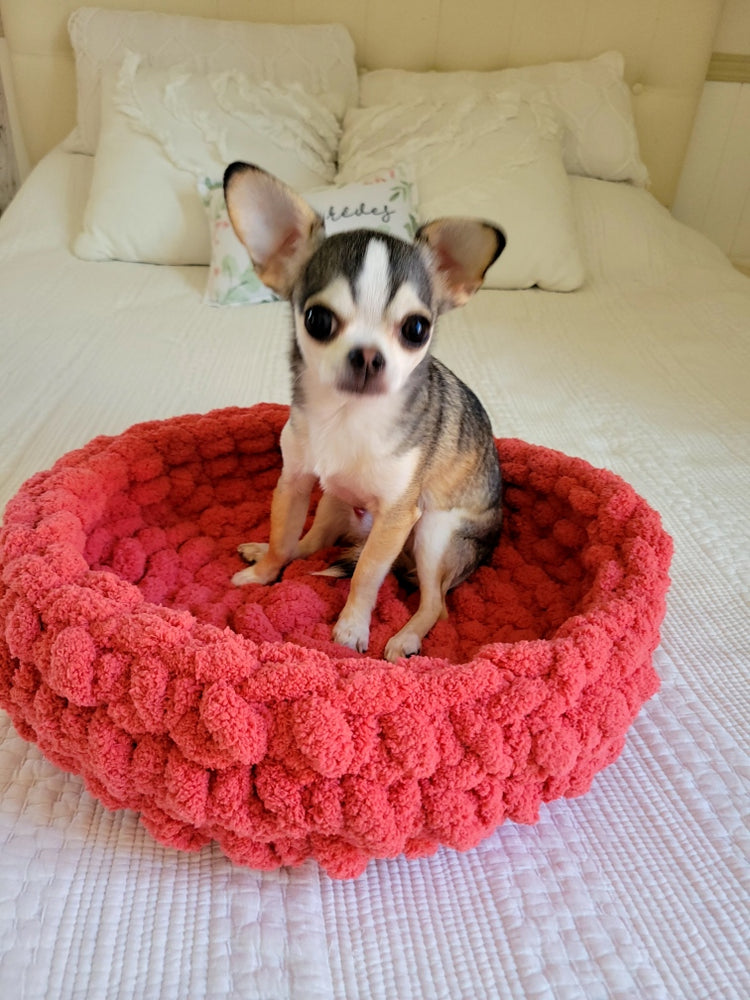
(497, 158)
(162, 129)
(385, 202)
(319, 57)
(590, 97)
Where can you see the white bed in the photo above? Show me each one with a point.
(639, 888)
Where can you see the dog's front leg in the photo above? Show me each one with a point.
(387, 538)
(289, 506)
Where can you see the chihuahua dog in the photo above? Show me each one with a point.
(402, 449)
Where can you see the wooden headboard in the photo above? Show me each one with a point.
(666, 44)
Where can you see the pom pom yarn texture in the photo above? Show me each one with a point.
(228, 714)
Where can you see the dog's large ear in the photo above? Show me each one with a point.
(279, 229)
(462, 250)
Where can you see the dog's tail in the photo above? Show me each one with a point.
(343, 568)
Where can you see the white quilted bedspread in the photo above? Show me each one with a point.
(639, 889)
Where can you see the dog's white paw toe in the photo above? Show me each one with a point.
(246, 576)
(402, 644)
(353, 634)
(252, 551)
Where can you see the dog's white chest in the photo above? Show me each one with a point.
(352, 454)
(359, 466)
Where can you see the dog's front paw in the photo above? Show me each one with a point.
(403, 643)
(353, 633)
(252, 552)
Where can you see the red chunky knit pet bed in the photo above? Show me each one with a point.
(227, 713)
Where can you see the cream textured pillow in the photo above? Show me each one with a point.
(319, 57)
(589, 96)
(163, 129)
(497, 158)
(386, 202)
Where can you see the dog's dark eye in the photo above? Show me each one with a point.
(320, 323)
(415, 331)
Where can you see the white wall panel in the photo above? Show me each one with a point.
(713, 194)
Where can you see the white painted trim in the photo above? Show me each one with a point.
(19, 146)
(729, 67)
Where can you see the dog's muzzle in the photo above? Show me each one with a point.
(365, 367)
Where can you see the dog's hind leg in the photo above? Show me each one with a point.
(289, 506)
(332, 521)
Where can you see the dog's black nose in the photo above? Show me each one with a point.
(366, 360)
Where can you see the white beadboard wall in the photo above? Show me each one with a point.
(713, 195)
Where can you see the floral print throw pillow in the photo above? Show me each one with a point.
(385, 202)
